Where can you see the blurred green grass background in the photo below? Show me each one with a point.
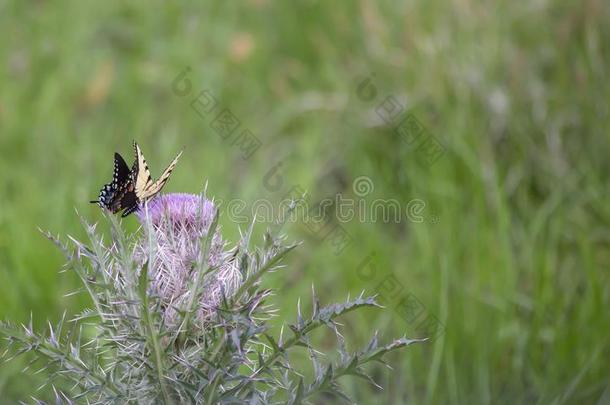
(514, 264)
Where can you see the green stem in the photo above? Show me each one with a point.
(53, 353)
(96, 245)
(203, 269)
(315, 389)
(212, 393)
(156, 347)
(151, 332)
(98, 378)
(250, 281)
(290, 342)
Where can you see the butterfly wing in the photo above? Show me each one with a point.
(112, 193)
(129, 202)
(121, 170)
(154, 188)
(141, 175)
(145, 188)
(129, 188)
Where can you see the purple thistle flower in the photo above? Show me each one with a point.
(176, 224)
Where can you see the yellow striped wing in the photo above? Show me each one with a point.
(145, 187)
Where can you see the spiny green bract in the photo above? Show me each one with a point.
(215, 347)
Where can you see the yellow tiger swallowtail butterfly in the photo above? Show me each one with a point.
(128, 189)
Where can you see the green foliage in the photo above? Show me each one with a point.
(517, 92)
(134, 356)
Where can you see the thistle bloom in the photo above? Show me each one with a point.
(173, 227)
(137, 353)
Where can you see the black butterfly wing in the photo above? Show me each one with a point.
(124, 197)
(112, 194)
(122, 182)
(129, 202)
(121, 170)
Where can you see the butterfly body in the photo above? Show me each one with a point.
(129, 188)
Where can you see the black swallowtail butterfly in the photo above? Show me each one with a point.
(129, 188)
